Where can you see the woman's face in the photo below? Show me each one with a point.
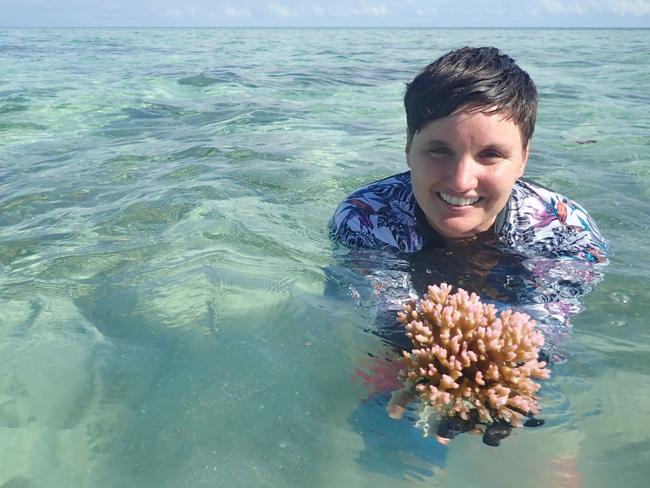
(463, 168)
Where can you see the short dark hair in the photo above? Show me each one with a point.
(479, 79)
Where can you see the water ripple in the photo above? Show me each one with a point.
(168, 285)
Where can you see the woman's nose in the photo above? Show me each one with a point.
(462, 176)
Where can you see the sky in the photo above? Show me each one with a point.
(327, 13)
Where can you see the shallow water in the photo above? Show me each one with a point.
(165, 315)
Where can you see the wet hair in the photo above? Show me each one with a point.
(476, 79)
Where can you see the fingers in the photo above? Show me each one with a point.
(398, 402)
(395, 411)
(495, 432)
(533, 422)
(450, 427)
(442, 440)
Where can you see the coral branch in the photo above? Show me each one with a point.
(466, 360)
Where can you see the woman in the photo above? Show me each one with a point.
(470, 118)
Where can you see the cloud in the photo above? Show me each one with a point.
(362, 9)
(189, 11)
(278, 9)
(374, 10)
(557, 7)
(237, 13)
(635, 8)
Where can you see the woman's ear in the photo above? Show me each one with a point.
(524, 160)
(407, 152)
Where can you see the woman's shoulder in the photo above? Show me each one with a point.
(544, 221)
(551, 207)
(379, 215)
(378, 192)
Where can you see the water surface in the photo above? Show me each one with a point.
(164, 261)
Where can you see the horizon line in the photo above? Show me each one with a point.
(310, 27)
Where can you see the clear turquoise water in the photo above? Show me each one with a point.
(164, 196)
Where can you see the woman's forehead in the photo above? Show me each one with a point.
(480, 127)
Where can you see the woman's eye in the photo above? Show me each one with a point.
(491, 154)
(439, 151)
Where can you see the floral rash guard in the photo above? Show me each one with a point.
(559, 247)
(535, 222)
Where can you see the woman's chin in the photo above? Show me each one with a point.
(459, 230)
(456, 233)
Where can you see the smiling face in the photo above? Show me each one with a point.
(463, 168)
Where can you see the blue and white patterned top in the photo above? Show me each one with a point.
(535, 222)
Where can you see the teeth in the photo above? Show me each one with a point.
(458, 201)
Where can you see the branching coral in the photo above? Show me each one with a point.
(466, 360)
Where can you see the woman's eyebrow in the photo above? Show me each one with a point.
(436, 143)
(495, 147)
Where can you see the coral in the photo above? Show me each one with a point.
(468, 362)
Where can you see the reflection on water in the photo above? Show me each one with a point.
(549, 289)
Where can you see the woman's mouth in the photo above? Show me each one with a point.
(458, 201)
